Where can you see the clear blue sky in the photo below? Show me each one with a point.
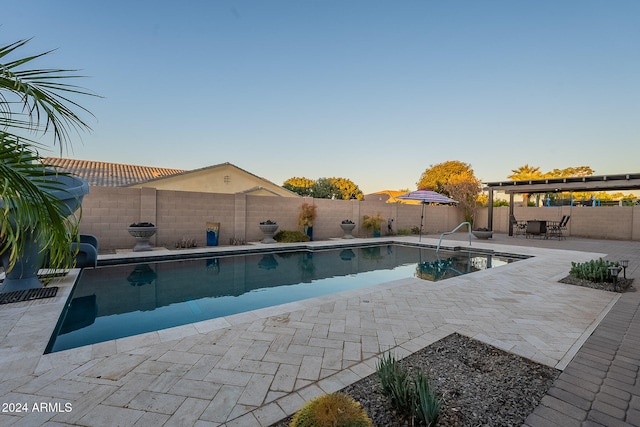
(373, 91)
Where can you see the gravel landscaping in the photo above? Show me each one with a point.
(478, 384)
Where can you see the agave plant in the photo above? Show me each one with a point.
(35, 102)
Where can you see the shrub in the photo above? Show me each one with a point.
(404, 232)
(593, 271)
(373, 222)
(285, 236)
(308, 214)
(331, 410)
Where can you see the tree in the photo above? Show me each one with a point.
(436, 177)
(325, 188)
(571, 172)
(36, 101)
(347, 189)
(301, 186)
(526, 173)
(465, 190)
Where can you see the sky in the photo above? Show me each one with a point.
(373, 91)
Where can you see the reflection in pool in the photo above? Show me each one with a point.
(124, 300)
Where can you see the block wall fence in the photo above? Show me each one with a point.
(107, 211)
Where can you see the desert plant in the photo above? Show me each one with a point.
(593, 271)
(186, 243)
(414, 397)
(426, 406)
(286, 236)
(395, 382)
(307, 215)
(372, 222)
(331, 410)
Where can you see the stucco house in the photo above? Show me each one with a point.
(223, 178)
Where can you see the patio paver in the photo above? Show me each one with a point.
(255, 368)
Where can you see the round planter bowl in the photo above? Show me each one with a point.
(268, 230)
(482, 235)
(347, 228)
(142, 235)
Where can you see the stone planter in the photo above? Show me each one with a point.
(69, 190)
(142, 235)
(482, 234)
(347, 229)
(268, 230)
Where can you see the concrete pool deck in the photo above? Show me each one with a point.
(255, 368)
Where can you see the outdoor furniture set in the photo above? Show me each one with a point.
(541, 228)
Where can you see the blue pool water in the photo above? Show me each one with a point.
(124, 300)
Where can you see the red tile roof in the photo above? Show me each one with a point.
(105, 174)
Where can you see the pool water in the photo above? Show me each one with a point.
(124, 300)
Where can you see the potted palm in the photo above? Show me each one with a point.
(306, 217)
(373, 223)
(33, 100)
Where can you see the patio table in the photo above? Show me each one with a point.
(537, 227)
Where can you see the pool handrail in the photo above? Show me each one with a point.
(453, 231)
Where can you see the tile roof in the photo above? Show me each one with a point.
(390, 196)
(103, 174)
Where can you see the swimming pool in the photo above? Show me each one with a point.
(124, 300)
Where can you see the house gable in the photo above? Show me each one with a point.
(223, 178)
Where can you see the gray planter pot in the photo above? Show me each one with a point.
(142, 235)
(70, 190)
(482, 235)
(347, 229)
(268, 230)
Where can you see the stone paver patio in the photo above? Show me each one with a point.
(256, 368)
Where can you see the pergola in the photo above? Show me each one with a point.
(630, 181)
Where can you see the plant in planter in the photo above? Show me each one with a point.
(347, 227)
(308, 214)
(373, 223)
(268, 228)
(482, 233)
(142, 231)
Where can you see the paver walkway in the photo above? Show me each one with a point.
(255, 368)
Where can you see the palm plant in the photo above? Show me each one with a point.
(525, 173)
(36, 102)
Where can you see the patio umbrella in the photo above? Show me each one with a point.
(426, 196)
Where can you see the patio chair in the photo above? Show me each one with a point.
(555, 228)
(519, 227)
